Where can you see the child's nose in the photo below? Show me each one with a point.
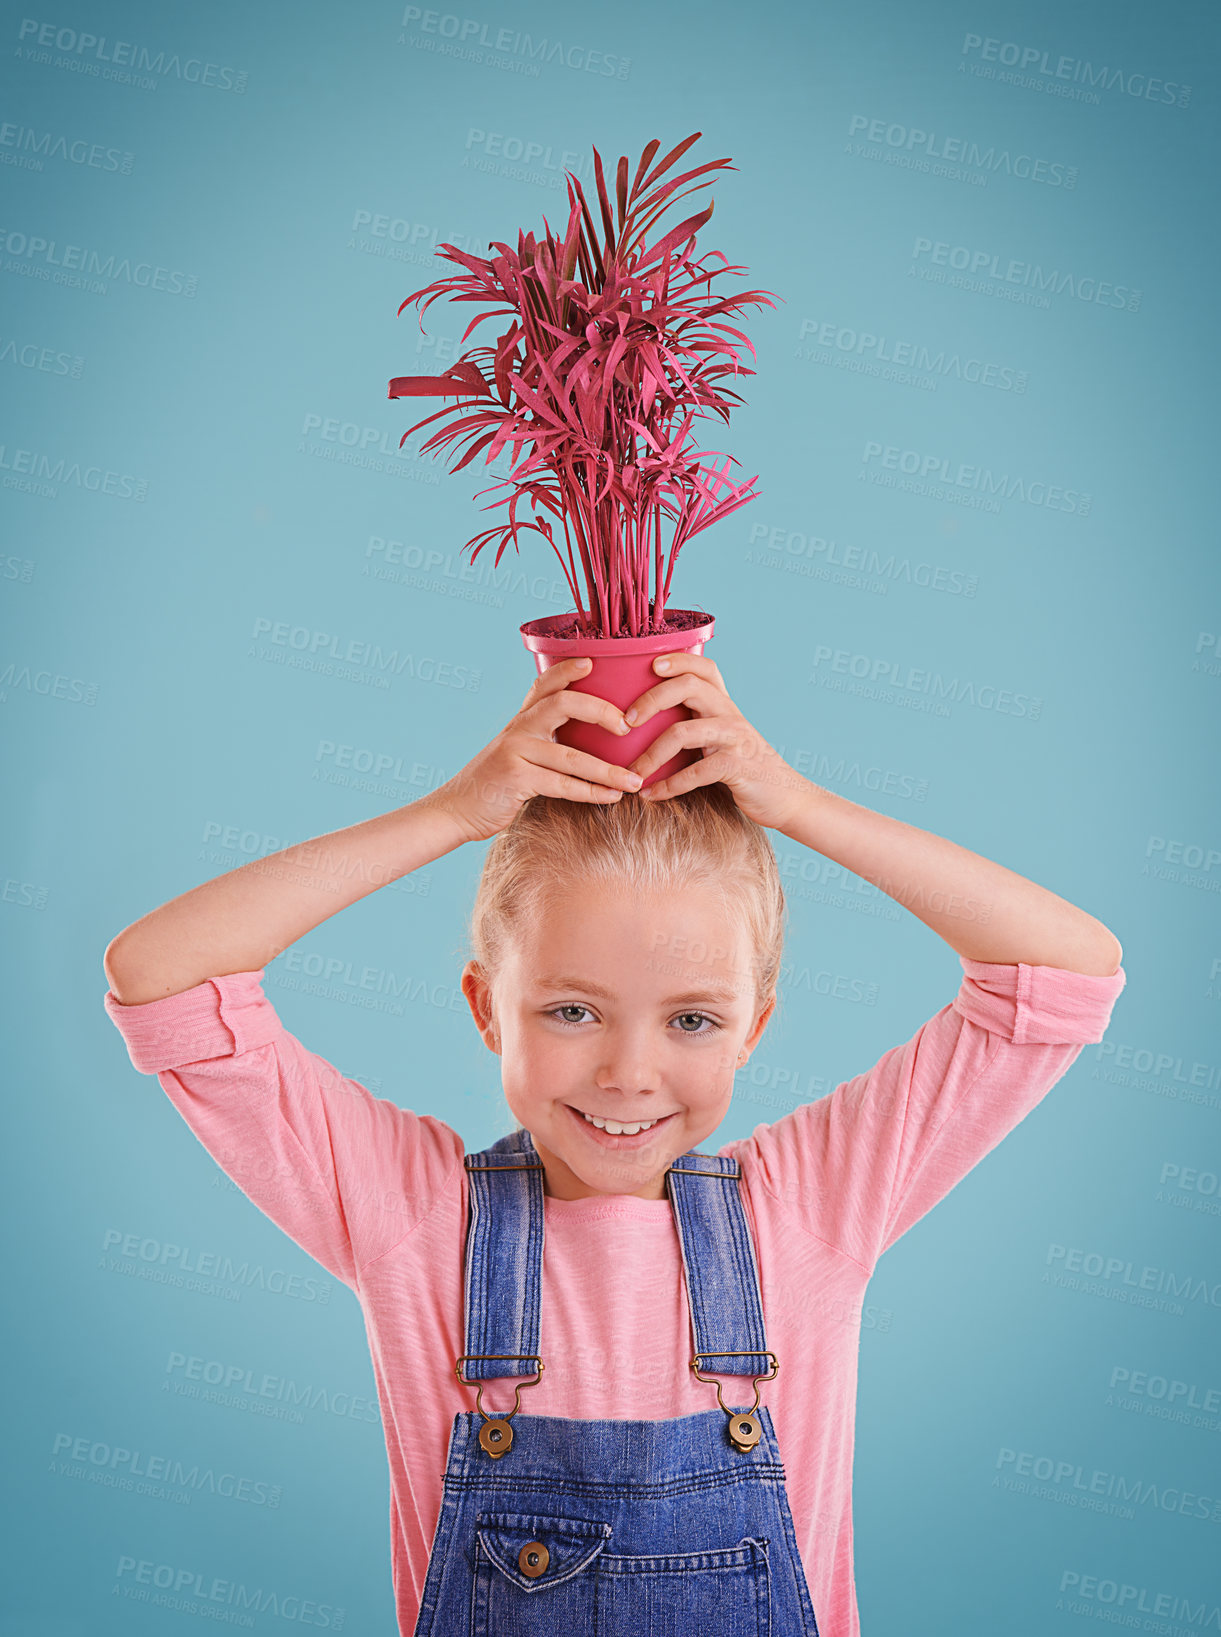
(628, 1065)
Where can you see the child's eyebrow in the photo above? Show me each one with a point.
(711, 991)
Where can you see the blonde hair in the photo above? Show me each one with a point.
(699, 838)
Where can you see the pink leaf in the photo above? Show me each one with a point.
(612, 351)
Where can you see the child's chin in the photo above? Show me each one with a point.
(620, 1175)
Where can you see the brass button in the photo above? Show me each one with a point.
(496, 1436)
(745, 1432)
(533, 1559)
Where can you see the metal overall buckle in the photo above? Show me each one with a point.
(496, 1435)
(745, 1428)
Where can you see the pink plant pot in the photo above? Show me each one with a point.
(622, 670)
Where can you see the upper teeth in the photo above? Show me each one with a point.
(617, 1129)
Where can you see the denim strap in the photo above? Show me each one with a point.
(504, 1261)
(504, 1258)
(719, 1263)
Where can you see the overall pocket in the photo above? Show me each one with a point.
(544, 1576)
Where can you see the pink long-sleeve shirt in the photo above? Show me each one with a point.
(377, 1195)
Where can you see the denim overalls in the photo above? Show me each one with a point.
(675, 1528)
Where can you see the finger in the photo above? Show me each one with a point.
(568, 704)
(705, 771)
(696, 692)
(551, 783)
(580, 764)
(712, 731)
(696, 664)
(554, 678)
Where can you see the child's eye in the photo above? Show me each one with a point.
(572, 1006)
(575, 1006)
(712, 1023)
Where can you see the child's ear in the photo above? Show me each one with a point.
(479, 998)
(752, 1039)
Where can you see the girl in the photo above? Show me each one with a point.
(627, 945)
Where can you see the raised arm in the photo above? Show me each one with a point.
(244, 919)
(240, 921)
(982, 910)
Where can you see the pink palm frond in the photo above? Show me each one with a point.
(613, 347)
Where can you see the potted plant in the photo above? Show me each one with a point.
(612, 348)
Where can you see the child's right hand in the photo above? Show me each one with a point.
(524, 760)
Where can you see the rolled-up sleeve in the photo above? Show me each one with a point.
(345, 1174)
(861, 1166)
(1043, 1005)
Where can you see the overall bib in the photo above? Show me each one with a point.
(581, 1528)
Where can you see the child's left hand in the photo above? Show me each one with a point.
(764, 786)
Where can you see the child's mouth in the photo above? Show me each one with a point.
(619, 1138)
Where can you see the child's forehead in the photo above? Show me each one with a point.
(661, 945)
(681, 916)
(564, 893)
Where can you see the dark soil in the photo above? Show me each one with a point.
(675, 622)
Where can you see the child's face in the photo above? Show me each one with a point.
(628, 1007)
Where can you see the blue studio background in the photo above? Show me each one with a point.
(982, 417)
